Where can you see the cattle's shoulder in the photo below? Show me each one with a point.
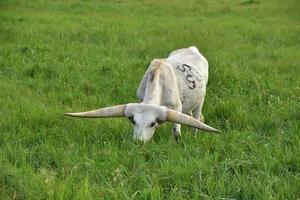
(159, 67)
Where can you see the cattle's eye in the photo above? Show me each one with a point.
(152, 124)
(159, 121)
(131, 120)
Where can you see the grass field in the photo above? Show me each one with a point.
(61, 56)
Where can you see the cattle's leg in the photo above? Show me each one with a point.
(176, 127)
(176, 131)
(197, 114)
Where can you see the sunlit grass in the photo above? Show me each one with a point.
(57, 57)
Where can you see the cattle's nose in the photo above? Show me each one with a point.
(137, 135)
(139, 139)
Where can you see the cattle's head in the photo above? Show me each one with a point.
(145, 118)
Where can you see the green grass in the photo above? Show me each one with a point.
(57, 57)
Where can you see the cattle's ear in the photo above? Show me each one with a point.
(130, 108)
(161, 114)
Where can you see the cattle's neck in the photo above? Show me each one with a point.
(154, 88)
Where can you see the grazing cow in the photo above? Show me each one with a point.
(171, 90)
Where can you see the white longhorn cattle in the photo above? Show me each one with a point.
(171, 90)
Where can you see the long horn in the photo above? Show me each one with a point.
(181, 118)
(112, 111)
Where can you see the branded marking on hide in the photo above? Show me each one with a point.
(188, 77)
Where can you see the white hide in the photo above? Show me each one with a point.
(145, 118)
(172, 89)
(177, 82)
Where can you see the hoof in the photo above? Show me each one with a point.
(195, 131)
(176, 139)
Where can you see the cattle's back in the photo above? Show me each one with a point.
(191, 57)
(191, 70)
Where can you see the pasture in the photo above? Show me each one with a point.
(62, 56)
